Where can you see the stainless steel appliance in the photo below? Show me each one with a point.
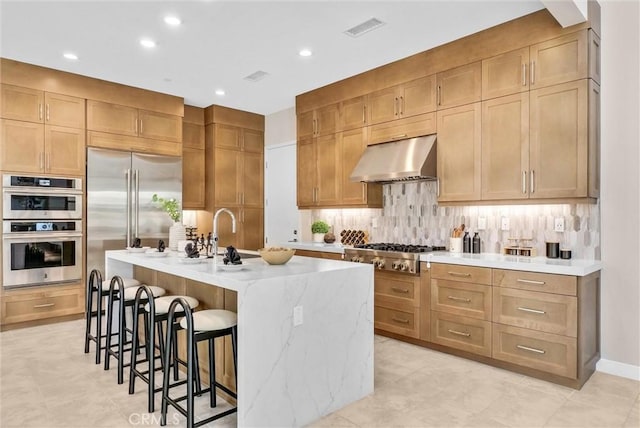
(28, 197)
(38, 252)
(399, 258)
(120, 186)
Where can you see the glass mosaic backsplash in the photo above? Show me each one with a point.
(412, 215)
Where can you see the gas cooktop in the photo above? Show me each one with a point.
(400, 248)
(402, 258)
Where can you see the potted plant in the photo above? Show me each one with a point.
(318, 229)
(177, 231)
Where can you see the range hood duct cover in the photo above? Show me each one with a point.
(404, 160)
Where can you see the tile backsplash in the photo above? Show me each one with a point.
(412, 215)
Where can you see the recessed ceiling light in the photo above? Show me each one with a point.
(148, 43)
(69, 55)
(305, 52)
(220, 92)
(172, 20)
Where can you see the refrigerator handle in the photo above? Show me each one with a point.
(136, 179)
(127, 174)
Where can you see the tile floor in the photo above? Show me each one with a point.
(47, 381)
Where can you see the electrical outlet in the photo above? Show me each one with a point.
(558, 224)
(297, 316)
(504, 224)
(482, 223)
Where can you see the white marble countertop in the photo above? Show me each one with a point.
(313, 246)
(576, 267)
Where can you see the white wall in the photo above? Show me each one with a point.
(620, 194)
(620, 186)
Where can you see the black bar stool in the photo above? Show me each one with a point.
(100, 288)
(125, 298)
(157, 313)
(199, 326)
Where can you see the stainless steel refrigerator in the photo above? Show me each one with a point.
(120, 186)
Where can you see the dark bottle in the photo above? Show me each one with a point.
(476, 243)
(466, 243)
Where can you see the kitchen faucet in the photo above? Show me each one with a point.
(215, 229)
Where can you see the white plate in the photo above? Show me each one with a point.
(137, 250)
(230, 267)
(156, 253)
(188, 261)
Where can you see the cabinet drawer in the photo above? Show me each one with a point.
(467, 334)
(543, 351)
(551, 313)
(41, 305)
(401, 290)
(474, 274)
(532, 281)
(397, 319)
(400, 129)
(471, 300)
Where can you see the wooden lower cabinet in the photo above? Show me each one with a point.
(319, 254)
(40, 303)
(464, 333)
(397, 319)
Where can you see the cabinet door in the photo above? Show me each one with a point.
(505, 147)
(352, 145)
(252, 224)
(228, 177)
(558, 133)
(193, 180)
(328, 170)
(353, 113)
(383, 105)
(252, 180)
(63, 110)
(227, 136)
(327, 120)
(459, 153)
(306, 126)
(160, 126)
(458, 86)
(306, 172)
(112, 118)
(418, 96)
(559, 60)
(252, 141)
(594, 139)
(64, 150)
(192, 135)
(22, 146)
(20, 103)
(505, 74)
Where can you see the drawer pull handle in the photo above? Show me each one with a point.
(44, 305)
(400, 290)
(530, 281)
(533, 311)
(466, 275)
(403, 321)
(526, 348)
(459, 333)
(459, 299)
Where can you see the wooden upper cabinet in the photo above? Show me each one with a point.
(352, 145)
(32, 105)
(505, 147)
(193, 178)
(459, 86)
(353, 113)
(64, 150)
(559, 60)
(406, 100)
(252, 180)
(505, 74)
(559, 141)
(328, 170)
(306, 172)
(249, 232)
(233, 137)
(192, 136)
(318, 122)
(253, 140)
(124, 120)
(407, 127)
(594, 57)
(228, 176)
(459, 155)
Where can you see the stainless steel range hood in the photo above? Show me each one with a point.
(404, 160)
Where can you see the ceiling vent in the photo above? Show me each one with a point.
(258, 75)
(365, 27)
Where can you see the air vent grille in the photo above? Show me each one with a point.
(365, 27)
(257, 76)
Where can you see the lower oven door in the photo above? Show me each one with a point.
(40, 259)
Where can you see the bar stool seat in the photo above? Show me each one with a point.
(127, 282)
(130, 292)
(212, 319)
(162, 303)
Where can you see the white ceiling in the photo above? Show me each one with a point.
(221, 42)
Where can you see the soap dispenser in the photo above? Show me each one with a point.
(476, 243)
(466, 243)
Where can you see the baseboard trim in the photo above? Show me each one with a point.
(618, 369)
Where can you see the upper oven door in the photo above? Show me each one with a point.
(38, 204)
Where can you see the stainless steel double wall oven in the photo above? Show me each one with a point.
(41, 230)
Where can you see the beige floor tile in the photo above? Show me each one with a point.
(333, 421)
(633, 419)
(577, 414)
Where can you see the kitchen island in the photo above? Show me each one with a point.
(291, 370)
